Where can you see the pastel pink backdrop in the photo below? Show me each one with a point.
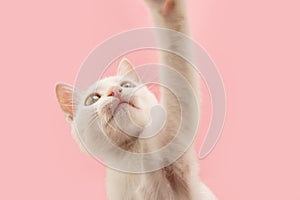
(254, 43)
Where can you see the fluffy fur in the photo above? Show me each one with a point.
(122, 113)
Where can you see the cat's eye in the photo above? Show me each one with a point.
(127, 84)
(92, 98)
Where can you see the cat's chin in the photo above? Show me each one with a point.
(118, 124)
(125, 122)
(118, 134)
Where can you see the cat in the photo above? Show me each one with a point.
(120, 106)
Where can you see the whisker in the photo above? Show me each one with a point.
(92, 120)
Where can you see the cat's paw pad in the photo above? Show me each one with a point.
(168, 7)
(165, 7)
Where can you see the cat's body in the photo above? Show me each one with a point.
(121, 104)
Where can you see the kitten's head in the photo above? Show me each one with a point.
(118, 107)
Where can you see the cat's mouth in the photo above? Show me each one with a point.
(128, 103)
(120, 101)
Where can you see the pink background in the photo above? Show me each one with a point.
(254, 43)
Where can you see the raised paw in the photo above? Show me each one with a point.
(164, 7)
(168, 7)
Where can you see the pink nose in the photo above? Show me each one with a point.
(115, 91)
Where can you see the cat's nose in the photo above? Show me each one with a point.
(115, 91)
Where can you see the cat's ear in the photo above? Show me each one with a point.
(65, 96)
(126, 69)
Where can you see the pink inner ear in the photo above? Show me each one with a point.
(64, 95)
(126, 69)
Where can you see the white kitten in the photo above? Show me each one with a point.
(119, 108)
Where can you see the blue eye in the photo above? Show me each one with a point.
(127, 84)
(92, 98)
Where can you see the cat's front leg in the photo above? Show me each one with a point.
(183, 173)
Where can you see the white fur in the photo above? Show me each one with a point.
(178, 181)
